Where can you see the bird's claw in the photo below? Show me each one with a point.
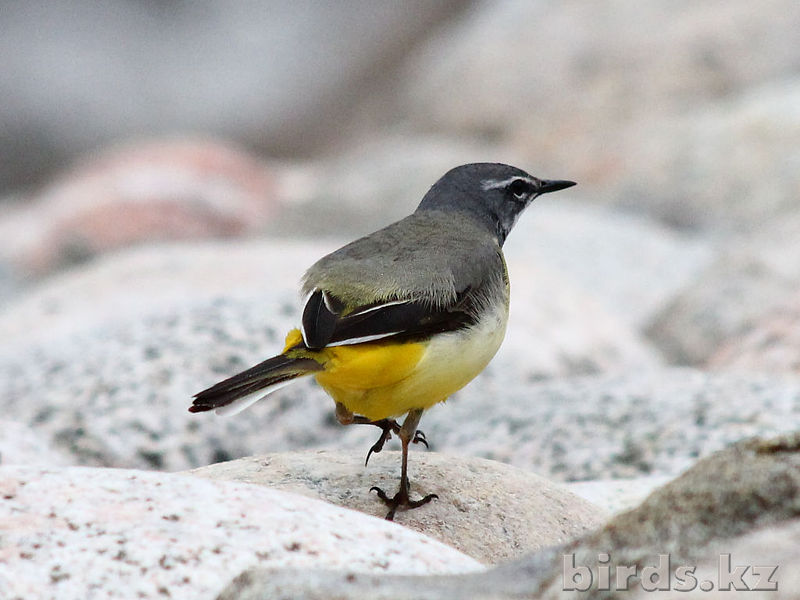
(387, 427)
(419, 438)
(400, 500)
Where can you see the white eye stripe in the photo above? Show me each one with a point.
(493, 184)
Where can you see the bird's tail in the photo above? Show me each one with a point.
(240, 391)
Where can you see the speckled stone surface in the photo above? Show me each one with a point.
(731, 494)
(490, 511)
(103, 361)
(104, 370)
(770, 345)
(77, 533)
(767, 548)
(614, 426)
(630, 264)
(752, 278)
(742, 501)
(21, 445)
(616, 495)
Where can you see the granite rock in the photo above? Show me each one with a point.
(742, 497)
(670, 113)
(159, 190)
(728, 167)
(77, 533)
(22, 445)
(770, 345)
(763, 549)
(487, 510)
(280, 78)
(114, 365)
(630, 264)
(613, 426)
(752, 277)
(617, 495)
(752, 485)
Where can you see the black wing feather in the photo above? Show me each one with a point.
(324, 324)
(319, 321)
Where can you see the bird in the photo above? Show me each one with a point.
(400, 319)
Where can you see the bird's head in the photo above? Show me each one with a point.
(493, 193)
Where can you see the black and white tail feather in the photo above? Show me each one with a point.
(244, 389)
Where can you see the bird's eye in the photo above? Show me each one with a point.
(519, 188)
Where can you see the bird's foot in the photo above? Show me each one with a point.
(400, 500)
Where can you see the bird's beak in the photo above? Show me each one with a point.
(553, 185)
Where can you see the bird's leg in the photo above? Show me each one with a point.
(407, 433)
(387, 426)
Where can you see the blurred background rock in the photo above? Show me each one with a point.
(163, 165)
(687, 111)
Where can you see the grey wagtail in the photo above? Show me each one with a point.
(397, 321)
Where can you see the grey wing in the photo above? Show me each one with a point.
(431, 258)
(413, 279)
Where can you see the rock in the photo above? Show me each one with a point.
(313, 584)
(633, 266)
(82, 532)
(364, 187)
(653, 423)
(487, 510)
(22, 445)
(165, 275)
(11, 282)
(106, 369)
(143, 192)
(751, 485)
(727, 167)
(727, 500)
(557, 329)
(751, 278)
(668, 114)
(617, 495)
(763, 549)
(770, 345)
(281, 78)
(115, 375)
(486, 54)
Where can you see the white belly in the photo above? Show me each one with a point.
(452, 360)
